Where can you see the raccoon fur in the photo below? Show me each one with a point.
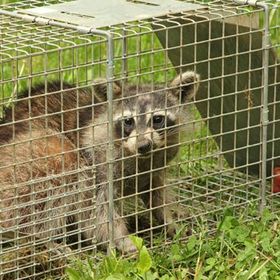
(54, 135)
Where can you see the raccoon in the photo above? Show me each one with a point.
(55, 135)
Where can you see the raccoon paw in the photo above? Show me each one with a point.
(171, 230)
(59, 249)
(182, 232)
(126, 246)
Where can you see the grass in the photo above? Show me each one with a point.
(239, 249)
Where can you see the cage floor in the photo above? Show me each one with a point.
(216, 192)
(211, 195)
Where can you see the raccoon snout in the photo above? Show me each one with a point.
(145, 147)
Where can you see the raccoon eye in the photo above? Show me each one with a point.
(129, 122)
(158, 121)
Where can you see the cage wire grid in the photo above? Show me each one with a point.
(55, 162)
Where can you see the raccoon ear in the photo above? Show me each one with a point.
(100, 89)
(185, 85)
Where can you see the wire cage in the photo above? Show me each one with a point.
(132, 117)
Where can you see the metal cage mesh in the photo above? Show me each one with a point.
(80, 172)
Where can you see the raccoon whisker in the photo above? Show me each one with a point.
(168, 131)
(172, 132)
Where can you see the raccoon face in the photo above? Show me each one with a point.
(146, 120)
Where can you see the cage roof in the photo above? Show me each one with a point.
(96, 13)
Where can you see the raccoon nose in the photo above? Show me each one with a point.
(145, 147)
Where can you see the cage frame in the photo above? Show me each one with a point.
(107, 35)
